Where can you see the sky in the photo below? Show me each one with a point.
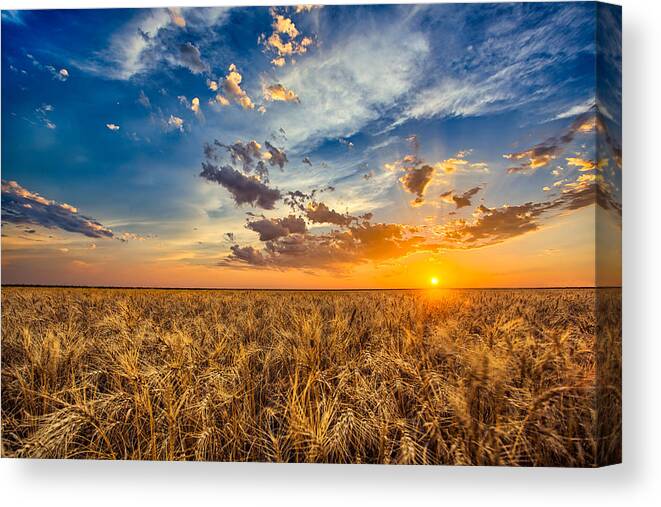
(374, 146)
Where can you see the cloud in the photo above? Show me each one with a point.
(150, 39)
(131, 48)
(247, 154)
(277, 92)
(195, 105)
(112, 126)
(222, 100)
(489, 226)
(576, 109)
(320, 213)
(306, 8)
(248, 255)
(191, 58)
(284, 39)
(232, 87)
(418, 175)
(125, 237)
(60, 75)
(273, 228)
(176, 16)
(11, 16)
(586, 165)
(355, 80)
(416, 180)
(275, 156)
(176, 123)
(21, 206)
(284, 25)
(460, 200)
(244, 189)
(333, 251)
(509, 60)
(358, 240)
(543, 153)
(42, 113)
(451, 165)
(143, 100)
(248, 180)
(453, 97)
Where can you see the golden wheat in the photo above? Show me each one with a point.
(526, 377)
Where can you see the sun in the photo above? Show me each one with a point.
(434, 281)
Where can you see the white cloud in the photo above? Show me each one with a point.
(128, 45)
(344, 87)
(452, 97)
(137, 46)
(503, 71)
(577, 109)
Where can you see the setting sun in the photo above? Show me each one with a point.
(434, 280)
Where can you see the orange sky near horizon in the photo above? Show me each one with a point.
(559, 254)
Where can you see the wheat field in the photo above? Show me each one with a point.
(461, 377)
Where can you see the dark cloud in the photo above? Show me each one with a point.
(247, 180)
(492, 225)
(300, 201)
(250, 156)
(273, 228)
(329, 251)
(321, 214)
(145, 36)
(247, 254)
(416, 180)
(495, 225)
(190, 57)
(244, 189)
(247, 154)
(358, 240)
(541, 154)
(20, 206)
(275, 155)
(460, 200)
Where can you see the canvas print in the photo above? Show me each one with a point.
(377, 234)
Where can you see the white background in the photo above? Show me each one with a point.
(636, 482)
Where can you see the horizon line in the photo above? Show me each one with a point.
(284, 289)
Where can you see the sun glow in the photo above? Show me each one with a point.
(434, 281)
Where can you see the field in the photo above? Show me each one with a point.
(465, 377)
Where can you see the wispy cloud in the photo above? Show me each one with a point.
(146, 42)
(510, 62)
(348, 84)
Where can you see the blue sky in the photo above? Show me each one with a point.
(109, 111)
